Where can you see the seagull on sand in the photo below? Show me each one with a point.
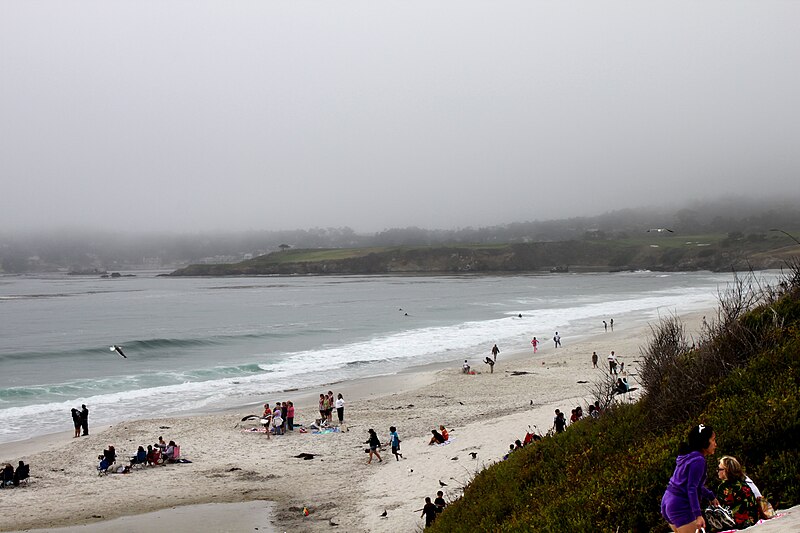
(442, 483)
(660, 230)
(474, 455)
(384, 514)
(118, 349)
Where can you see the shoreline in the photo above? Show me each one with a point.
(485, 412)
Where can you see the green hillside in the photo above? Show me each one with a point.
(665, 252)
(609, 474)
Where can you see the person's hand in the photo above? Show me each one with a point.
(700, 523)
(715, 502)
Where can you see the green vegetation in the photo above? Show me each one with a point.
(609, 474)
(656, 252)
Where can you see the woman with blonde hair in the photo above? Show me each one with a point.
(736, 493)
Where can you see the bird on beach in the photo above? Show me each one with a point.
(442, 483)
(474, 455)
(454, 458)
(660, 230)
(118, 349)
(384, 514)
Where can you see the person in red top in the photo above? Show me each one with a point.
(290, 416)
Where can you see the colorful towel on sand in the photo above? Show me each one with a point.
(254, 430)
(445, 443)
(324, 431)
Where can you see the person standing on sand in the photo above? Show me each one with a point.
(374, 445)
(340, 408)
(535, 343)
(495, 351)
(594, 359)
(329, 406)
(322, 416)
(290, 416)
(557, 340)
(605, 326)
(76, 421)
(266, 418)
(559, 422)
(429, 512)
(612, 363)
(85, 419)
(439, 502)
(611, 323)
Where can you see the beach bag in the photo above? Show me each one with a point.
(765, 509)
(719, 518)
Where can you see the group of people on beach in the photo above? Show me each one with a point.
(327, 403)
(432, 509)
(279, 419)
(160, 453)
(80, 420)
(686, 490)
(560, 420)
(375, 444)
(12, 477)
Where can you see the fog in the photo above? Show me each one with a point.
(193, 115)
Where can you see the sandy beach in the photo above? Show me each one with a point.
(484, 414)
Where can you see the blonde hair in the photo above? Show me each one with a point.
(733, 469)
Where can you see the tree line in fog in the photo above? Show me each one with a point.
(111, 250)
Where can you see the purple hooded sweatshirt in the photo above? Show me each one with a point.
(681, 502)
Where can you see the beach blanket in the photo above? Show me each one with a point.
(254, 430)
(777, 515)
(325, 431)
(445, 443)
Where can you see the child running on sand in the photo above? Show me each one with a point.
(394, 439)
(535, 343)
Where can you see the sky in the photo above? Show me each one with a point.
(164, 115)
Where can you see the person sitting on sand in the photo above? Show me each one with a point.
(735, 493)
(23, 471)
(445, 434)
(437, 438)
(169, 451)
(8, 475)
(161, 443)
(465, 367)
(517, 444)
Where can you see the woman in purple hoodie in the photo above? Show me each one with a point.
(680, 505)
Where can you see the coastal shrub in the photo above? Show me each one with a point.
(609, 474)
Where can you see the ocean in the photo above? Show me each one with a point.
(209, 343)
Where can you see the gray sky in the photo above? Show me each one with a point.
(197, 115)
